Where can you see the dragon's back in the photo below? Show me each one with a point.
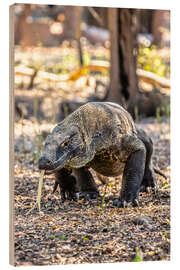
(102, 116)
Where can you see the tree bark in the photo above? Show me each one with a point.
(21, 24)
(159, 21)
(127, 60)
(114, 88)
(123, 78)
(72, 26)
(145, 20)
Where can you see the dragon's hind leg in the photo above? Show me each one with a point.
(133, 173)
(149, 179)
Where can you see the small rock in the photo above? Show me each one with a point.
(73, 239)
(143, 220)
(52, 245)
(58, 256)
(47, 187)
(105, 230)
(107, 250)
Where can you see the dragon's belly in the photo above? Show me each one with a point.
(109, 169)
(108, 164)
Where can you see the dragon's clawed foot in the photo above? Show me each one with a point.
(125, 204)
(88, 195)
(148, 189)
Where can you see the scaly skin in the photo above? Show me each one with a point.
(101, 136)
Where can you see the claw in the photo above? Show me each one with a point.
(69, 196)
(77, 196)
(88, 196)
(136, 203)
(63, 197)
(148, 189)
(94, 196)
(117, 203)
(74, 198)
(124, 204)
(142, 188)
(55, 186)
(156, 191)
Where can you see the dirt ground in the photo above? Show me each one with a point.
(84, 231)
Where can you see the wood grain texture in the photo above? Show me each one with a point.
(11, 135)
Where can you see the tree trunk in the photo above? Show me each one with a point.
(160, 20)
(79, 11)
(123, 79)
(21, 24)
(114, 89)
(72, 26)
(145, 20)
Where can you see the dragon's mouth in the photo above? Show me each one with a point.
(48, 172)
(53, 170)
(57, 165)
(51, 167)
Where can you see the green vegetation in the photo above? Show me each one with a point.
(86, 58)
(149, 59)
(103, 198)
(85, 239)
(163, 110)
(138, 257)
(63, 237)
(110, 184)
(165, 233)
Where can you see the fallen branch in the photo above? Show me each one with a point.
(153, 78)
(101, 66)
(24, 71)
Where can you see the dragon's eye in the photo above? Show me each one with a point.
(65, 143)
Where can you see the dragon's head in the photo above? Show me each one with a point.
(64, 147)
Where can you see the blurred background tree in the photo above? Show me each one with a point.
(117, 54)
(123, 31)
(125, 26)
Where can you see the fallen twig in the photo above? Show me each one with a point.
(38, 200)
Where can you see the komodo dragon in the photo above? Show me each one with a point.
(101, 136)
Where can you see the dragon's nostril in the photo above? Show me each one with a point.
(43, 163)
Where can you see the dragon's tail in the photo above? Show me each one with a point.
(160, 173)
